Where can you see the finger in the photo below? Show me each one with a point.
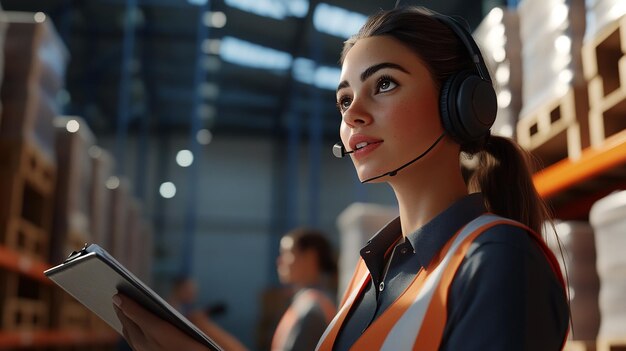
(132, 333)
(134, 311)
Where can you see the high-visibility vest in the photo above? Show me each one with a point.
(416, 320)
(303, 302)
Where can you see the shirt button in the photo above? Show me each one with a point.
(404, 250)
(381, 286)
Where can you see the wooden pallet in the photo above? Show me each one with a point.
(24, 302)
(69, 314)
(578, 345)
(557, 129)
(611, 345)
(27, 179)
(604, 62)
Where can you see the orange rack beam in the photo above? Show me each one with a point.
(592, 163)
(17, 262)
(11, 340)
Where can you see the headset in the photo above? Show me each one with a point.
(467, 101)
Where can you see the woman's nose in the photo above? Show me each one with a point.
(357, 114)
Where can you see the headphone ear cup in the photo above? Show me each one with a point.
(447, 107)
(468, 107)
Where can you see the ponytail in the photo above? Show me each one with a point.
(504, 177)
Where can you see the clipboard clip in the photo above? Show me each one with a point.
(75, 254)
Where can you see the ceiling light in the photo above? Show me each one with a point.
(167, 190)
(215, 19)
(72, 126)
(112, 183)
(204, 137)
(272, 8)
(184, 158)
(211, 46)
(337, 21)
(244, 53)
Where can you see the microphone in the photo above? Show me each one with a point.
(339, 151)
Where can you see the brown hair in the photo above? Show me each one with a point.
(305, 239)
(504, 173)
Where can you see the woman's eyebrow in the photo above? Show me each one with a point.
(377, 67)
(371, 70)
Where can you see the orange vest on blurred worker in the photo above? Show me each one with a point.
(416, 320)
(303, 302)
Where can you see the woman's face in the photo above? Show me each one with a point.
(292, 264)
(389, 105)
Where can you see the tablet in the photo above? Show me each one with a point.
(92, 277)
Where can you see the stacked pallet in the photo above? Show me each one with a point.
(498, 37)
(3, 30)
(607, 218)
(604, 62)
(71, 229)
(34, 68)
(102, 169)
(576, 252)
(120, 195)
(553, 119)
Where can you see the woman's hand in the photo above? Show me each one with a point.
(146, 332)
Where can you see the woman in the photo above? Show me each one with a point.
(306, 263)
(445, 275)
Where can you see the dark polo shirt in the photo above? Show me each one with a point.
(504, 296)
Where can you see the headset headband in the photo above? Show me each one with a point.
(469, 44)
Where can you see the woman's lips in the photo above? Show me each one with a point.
(363, 151)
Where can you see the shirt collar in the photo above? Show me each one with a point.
(428, 240)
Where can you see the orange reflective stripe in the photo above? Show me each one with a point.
(431, 333)
(359, 281)
(359, 272)
(287, 321)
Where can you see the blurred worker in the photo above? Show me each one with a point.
(183, 294)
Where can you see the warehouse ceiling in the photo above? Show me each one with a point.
(237, 66)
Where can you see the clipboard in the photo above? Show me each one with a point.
(92, 276)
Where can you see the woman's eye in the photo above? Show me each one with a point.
(385, 84)
(343, 103)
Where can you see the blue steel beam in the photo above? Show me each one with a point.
(123, 104)
(194, 146)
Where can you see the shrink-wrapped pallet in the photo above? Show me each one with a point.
(357, 224)
(608, 218)
(576, 253)
(553, 121)
(600, 13)
(498, 38)
(551, 33)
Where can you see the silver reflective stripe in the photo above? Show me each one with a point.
(403, 334)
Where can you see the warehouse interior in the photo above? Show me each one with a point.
(201, 131)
